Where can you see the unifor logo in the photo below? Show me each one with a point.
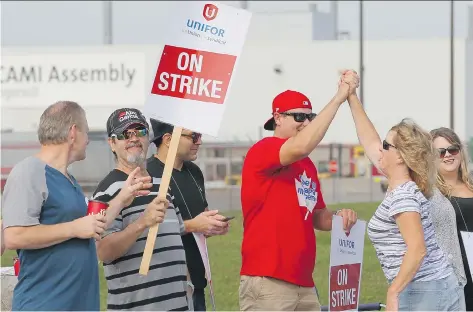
(210, 11)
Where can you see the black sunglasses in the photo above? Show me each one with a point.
(452, 150)
(386, 145)
(194, 136)
(139, 133)
(301, 117)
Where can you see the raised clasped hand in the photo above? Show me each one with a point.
(351, 78)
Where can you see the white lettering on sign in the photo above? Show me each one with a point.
(193, 75)
(342, 277)
(343, 297)
(190, 62)
(190, 85)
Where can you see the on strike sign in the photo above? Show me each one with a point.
(191, 84)
(346, 261)
(194, 75)
(344, 282)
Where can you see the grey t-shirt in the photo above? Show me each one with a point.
(60, 276)
(389, 243)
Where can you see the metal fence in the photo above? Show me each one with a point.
(221, 164)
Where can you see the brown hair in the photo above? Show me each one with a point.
(415, 146)
(463, 174)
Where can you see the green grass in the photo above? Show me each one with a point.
(225, 263)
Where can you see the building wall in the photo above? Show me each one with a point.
(469, 90)
(401, 79)
(284, 27)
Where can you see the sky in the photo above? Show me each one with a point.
(41, 23)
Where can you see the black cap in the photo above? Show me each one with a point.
(123, 118)
(160, 128)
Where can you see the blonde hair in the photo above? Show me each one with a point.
(463, 173)
(416, 149)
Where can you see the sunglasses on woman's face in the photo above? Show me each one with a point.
(386, 145)
(452, 150)
(127, 134)
(194, 136)
(301, 117)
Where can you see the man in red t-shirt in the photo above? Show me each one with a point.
(282, 204)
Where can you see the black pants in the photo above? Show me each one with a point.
(199, 300)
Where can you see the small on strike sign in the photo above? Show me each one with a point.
(346, 261)
(194, 75)
(344, 282)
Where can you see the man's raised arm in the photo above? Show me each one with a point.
(301, 145)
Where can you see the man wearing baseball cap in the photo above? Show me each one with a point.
(282, 205)
(121, 248)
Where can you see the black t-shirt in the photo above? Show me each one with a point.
(187, 187)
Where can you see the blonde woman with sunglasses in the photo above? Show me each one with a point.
(419, 275)
(453, 205)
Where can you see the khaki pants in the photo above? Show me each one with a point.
(270, 294)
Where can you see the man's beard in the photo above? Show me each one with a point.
(136, 159)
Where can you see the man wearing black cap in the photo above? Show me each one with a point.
(121, 248)
(187, 186)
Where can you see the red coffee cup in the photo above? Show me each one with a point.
(96, 207)
(16, 266)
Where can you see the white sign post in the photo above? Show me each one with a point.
(202, 244)
(193, 79)
(346, 261)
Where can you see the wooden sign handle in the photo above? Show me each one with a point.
(163, 190)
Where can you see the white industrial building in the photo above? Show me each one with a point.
(401, 79)
(284, 49)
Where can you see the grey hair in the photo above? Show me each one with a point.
(57, 120)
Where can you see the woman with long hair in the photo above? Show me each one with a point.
(454, 181)
(419, 275)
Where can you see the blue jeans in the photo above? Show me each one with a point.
(199, 300)
(440, 295)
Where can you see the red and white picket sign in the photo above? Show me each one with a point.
(191, 84)
(346, 261)
(194, 74)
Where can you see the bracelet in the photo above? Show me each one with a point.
(189, 283)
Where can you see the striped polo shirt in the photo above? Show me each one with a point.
(387, 239)
(164, 287)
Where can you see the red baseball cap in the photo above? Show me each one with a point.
(285, 101)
